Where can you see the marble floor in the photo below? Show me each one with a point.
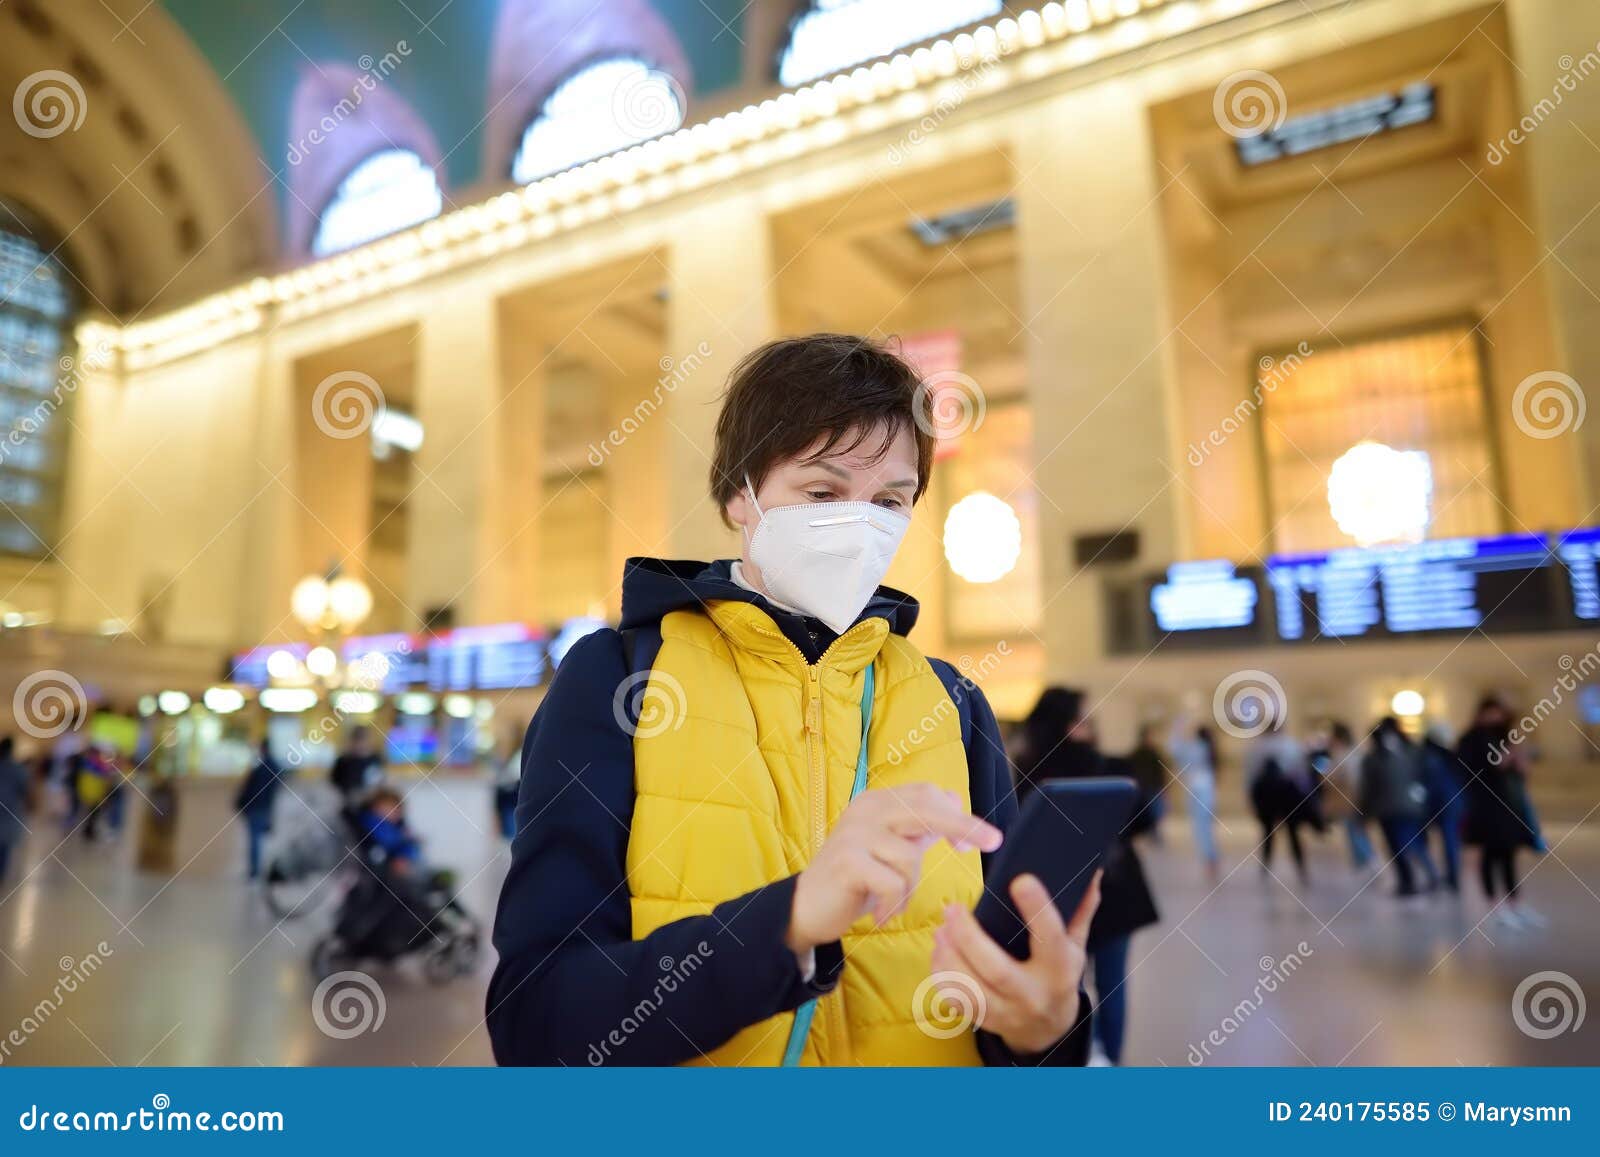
(1256, 970)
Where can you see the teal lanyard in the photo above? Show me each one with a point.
(801, 1028)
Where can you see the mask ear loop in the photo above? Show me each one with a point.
(751, 491)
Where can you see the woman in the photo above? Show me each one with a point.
(1338, 773)
(770, 777)
(1062, 745)
(1194, 757)
(1393, 791)
(1276, 777)
(257, 797)
(1499, 813)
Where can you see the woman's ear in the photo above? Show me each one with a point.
(741, 512)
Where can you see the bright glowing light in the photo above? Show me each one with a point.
(147, 705)
(414, 703)
(350, 602)
(610, 105)
(322, 662)
(982, 538)
(458, 706)
(223, 700)
(388, 191)
(356, 702)
(288, 699)
(309, 600)
(1407, 704)
(1379, 494)
(833, 35)
(172, 702)
(282, 665)
(391, 427)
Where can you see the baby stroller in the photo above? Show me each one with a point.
(387, 916)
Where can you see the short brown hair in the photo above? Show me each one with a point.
(784, 396)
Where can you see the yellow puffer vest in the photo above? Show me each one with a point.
(744, 758)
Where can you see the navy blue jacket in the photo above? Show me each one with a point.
(571, 980)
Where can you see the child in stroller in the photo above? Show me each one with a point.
(398, 906)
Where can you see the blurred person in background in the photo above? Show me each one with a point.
(1147, 764)
(1337, 766)
(357, 770)
(769, 671)
(98, 779)
(1393, 792)
(1277, 780)
(15, 789)
(1063, 745)
(507, 782)
(1499, 812)
(1446, 803)
(258, 795)
(1193, 751)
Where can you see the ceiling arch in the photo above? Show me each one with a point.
(540, 43)
(128, 149)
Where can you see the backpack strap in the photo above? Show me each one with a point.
(640, 646)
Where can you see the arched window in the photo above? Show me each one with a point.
(388, 191)
(833, 35)
(36, 381)
(606, 106)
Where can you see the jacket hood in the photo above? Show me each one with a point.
(651, 587)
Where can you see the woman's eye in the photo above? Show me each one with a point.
(891, 503)
(819, 495)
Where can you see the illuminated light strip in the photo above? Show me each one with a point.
(1060, 36)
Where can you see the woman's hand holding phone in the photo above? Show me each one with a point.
(1030, 1004)
(872, 858)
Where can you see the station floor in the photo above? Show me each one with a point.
(197, 971)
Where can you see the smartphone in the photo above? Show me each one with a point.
(1061, 837)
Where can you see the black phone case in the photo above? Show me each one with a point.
(1061, 836)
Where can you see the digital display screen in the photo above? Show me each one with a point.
(1504, 584)
(1456, 584)
(492, 658)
